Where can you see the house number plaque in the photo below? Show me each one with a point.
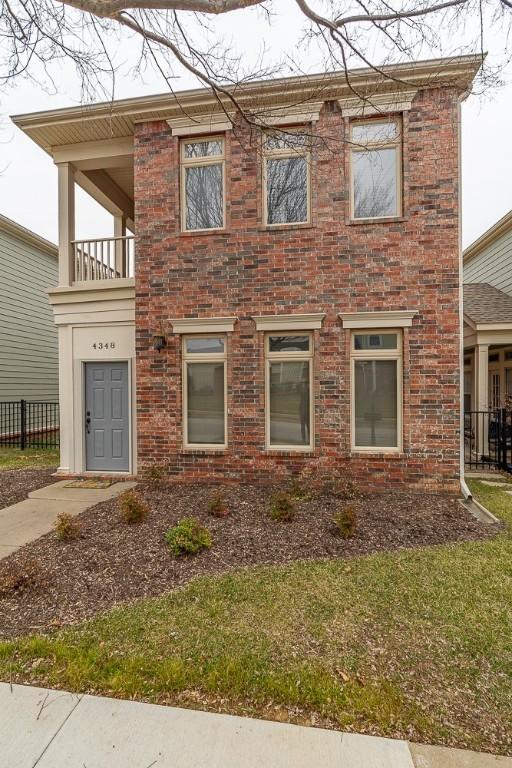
(104, 345)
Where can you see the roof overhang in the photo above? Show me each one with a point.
(117, 119)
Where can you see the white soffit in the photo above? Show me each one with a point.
(378, 104)
(203, 324)
(388, 319)
(289, 322)
(195, 125)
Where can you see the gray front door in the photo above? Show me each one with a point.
(106, 417)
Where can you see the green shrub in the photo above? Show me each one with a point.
(217, 506)
(133, 508)
(299, 489)
(155, 472)
(188, 537)
(282, 507)
(344, 522)
(66, 527)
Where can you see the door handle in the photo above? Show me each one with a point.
(88, 422)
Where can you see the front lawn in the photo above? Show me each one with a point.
(31, 458)
(412, 643)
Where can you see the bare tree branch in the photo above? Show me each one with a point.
(183, 36)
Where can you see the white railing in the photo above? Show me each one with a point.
(107, 258)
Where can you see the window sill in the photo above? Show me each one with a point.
(205, 450)
(204, 232)
(286, 227)
(385, 453)
(383, 220)
(289, 451)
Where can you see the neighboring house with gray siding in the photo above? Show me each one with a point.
(489, 259)
(28, 336)
(488, 318)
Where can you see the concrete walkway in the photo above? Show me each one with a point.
(29, 519)
(54, 729)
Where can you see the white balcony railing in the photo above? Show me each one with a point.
(108, 258)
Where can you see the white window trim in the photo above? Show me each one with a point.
(386, 319)
(199, 125)
(289, 322)
(209, 357)
(378, 104)
(379, 354)
(203, 325)
(290, 357)
(373, 146)
(194, 162)
(284, 154)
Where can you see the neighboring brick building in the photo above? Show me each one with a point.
(303, 289)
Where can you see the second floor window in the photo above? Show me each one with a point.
(375, 169)
(286, 174)
(202, 184)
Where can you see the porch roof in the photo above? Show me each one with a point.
(485, 305)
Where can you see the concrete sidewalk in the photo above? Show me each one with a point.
(29, 519)
(54, 729)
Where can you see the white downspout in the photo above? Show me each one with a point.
(463, 485)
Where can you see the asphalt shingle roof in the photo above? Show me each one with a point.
(484, 303)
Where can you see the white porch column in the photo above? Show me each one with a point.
(120, 248)
(482, 377)
(482, 396)
(66, 173)
(66, 397)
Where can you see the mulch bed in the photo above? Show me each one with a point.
(112, 561)
(15, 484)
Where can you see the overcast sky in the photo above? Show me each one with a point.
(28, 180)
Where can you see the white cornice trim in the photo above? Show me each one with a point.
(289, 322)
(195, 125)
(458, 72)
(388, 319)
(93, 290)
(493, 327)
(203, 324)
(378, 104)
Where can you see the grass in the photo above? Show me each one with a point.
(31, 458)
(412, 644)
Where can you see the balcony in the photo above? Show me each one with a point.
(104, 171)
(102, 259)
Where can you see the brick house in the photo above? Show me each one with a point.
(291, 298)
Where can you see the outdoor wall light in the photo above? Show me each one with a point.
(159, 342)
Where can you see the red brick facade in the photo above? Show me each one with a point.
(332, 266)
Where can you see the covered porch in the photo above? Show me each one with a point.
(487, 348)
(487, 376)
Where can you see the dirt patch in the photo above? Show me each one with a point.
(16, 484)
(112, 561)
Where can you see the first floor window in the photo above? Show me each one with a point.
(202, 173)
(289, 359)
(376, 390)
(204, 360)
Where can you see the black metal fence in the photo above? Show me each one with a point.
(29, 424)
(488, 439)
